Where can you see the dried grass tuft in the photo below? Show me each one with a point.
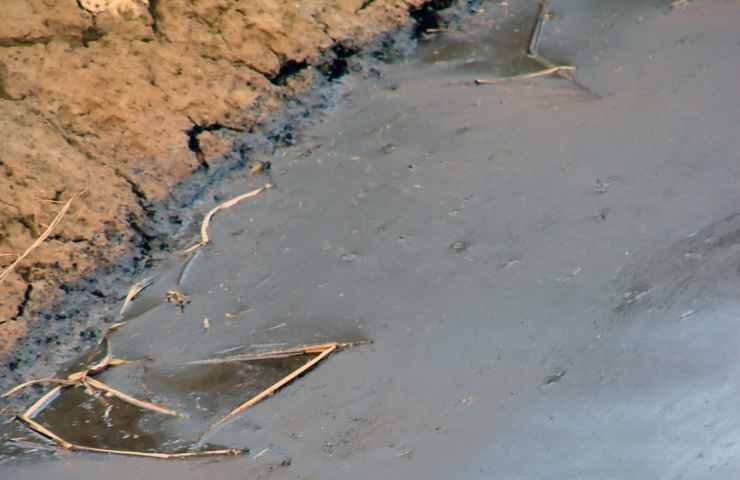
(40, 239)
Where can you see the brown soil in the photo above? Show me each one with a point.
(99, 95)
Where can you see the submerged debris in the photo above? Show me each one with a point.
(176, 298)
(601, 187)
(259, 166)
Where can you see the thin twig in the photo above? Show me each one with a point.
(272, 389)
(227, 204)
(39, 240)
(528, 76)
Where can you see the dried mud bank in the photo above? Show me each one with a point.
(140, 106)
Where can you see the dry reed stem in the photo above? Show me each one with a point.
(274, 354)
(42, 402)
(37, 427)
(161, 455)
(98, 385)
(227, 204)
(273, 388)
(680, 3)
(245, 358)
(528, 76)
(114, 362)
(135, 290)
(101, 364)
(40, 239)
(115, 326)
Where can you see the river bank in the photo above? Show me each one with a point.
(135, 106)
(125, 99)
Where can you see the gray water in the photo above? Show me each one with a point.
(548, 273)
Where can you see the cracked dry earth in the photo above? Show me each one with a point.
(122, 99)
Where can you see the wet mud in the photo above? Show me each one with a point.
(548, 276)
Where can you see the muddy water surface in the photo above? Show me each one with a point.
(548, 276)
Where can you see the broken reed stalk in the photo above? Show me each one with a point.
(115, 326)
(680, 3)
(42, 402)
(98, 385)
(40, 239)
(273, 388)
(274, 354)
(38, 428)
(542, 73)
(227, 204)
(135, 290)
